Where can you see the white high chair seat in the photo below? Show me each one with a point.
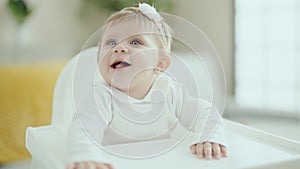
(248, 148)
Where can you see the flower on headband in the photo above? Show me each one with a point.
(150, 12)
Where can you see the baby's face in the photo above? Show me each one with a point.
(128, 54)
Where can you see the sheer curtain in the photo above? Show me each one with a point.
(267, 54)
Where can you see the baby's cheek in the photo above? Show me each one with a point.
(147, 60)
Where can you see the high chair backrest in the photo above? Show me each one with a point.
(73, 82)
(63, 107)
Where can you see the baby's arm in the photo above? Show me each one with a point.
(208, 140)
(208, 150)
(84, 153)
(86, 132)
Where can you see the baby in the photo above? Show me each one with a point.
(137, 101)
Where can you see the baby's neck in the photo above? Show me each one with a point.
(139, 92)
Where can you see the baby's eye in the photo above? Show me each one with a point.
(136, 42)
(112, 43)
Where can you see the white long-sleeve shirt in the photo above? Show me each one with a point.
(107, 116)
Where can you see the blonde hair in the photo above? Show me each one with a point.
(135, 13)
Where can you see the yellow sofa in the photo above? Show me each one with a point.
(25, 100)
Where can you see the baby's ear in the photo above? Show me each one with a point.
(164, 62)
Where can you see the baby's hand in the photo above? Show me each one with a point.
(89, 165)
(208, 150)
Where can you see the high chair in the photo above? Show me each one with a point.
(248, 147)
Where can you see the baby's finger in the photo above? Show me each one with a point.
(223, 151)
(207, 150)
(193, 149)
(199, 150)
(70, 166)
(80, 165)
(102, 166)
(91, 165)
(109, 166)
(216, 150)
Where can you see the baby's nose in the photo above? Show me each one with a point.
(120, 49)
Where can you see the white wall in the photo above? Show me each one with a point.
(54, 27)
(215, 18)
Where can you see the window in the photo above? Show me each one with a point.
(267, 54)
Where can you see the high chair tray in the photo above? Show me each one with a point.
(248, 148)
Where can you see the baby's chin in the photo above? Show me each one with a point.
(124, 87)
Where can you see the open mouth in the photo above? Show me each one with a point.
(119, 65)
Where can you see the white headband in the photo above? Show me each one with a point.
(150, 12)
